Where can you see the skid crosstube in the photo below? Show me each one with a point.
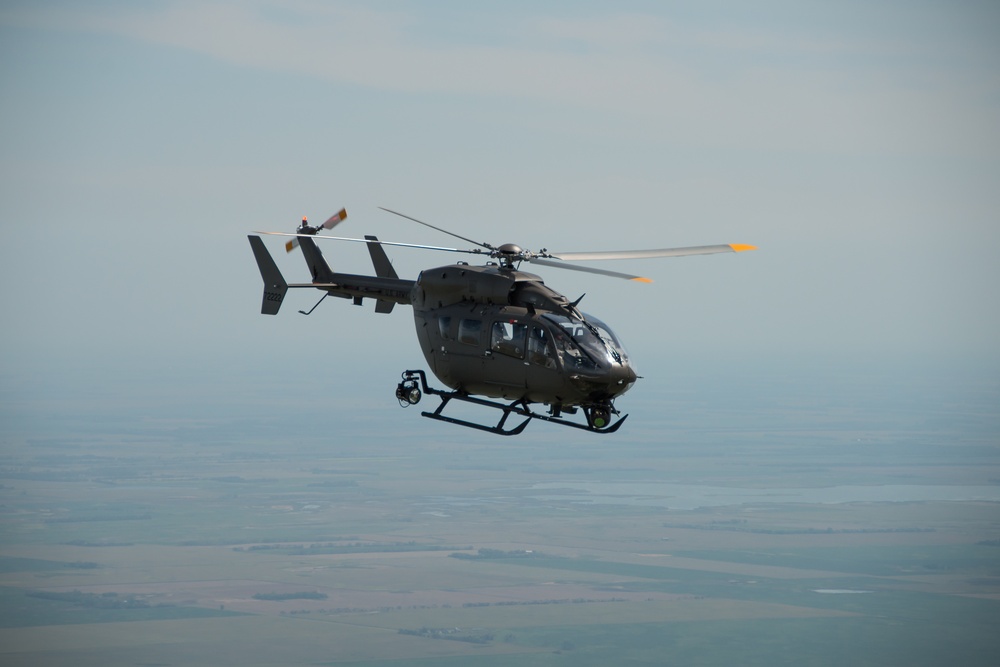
(519, 407)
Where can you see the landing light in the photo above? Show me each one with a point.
(408, 393)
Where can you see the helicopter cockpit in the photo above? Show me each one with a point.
(586, 344)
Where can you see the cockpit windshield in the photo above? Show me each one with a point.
(587, 343)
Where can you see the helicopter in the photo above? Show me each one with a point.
(494, 335)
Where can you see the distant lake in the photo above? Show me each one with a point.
(693, 496)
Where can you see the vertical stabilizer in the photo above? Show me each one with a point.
(275, 286)
(383, 269)
(320, 270)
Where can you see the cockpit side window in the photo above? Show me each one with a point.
(540, 350)
(585, 343)
(571, 353)
(469, 332)
(508, 338)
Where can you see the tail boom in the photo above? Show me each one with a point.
(386, 290)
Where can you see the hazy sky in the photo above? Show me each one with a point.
(856, 143)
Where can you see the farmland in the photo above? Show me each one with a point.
(208, 544)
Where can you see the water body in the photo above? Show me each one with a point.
(690, 496)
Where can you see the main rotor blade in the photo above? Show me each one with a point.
(472, 251)
(645, 254)
(588, 269)
(427, 224)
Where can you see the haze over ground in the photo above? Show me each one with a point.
(817, 417)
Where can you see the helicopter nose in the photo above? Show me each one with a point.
(622, 378)
(607, 382)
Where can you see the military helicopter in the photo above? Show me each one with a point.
(487, 332)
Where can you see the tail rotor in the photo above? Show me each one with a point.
(330, 223)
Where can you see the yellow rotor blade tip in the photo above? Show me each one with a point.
(740, 247)
(640, 279)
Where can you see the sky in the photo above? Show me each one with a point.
(857, 144)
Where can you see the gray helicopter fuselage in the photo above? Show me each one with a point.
(502, 333)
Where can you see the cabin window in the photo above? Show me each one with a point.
(540, 350)
(469, 331)
(444, 327)
(508, 338)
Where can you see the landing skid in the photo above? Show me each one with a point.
(408, 394)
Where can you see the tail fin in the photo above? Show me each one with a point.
(320, 270)
(275, 286)
(383, 269)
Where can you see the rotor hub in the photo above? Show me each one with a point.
(510, 249)
(509, 253)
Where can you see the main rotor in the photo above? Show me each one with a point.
(507, 255)
(510, 255)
